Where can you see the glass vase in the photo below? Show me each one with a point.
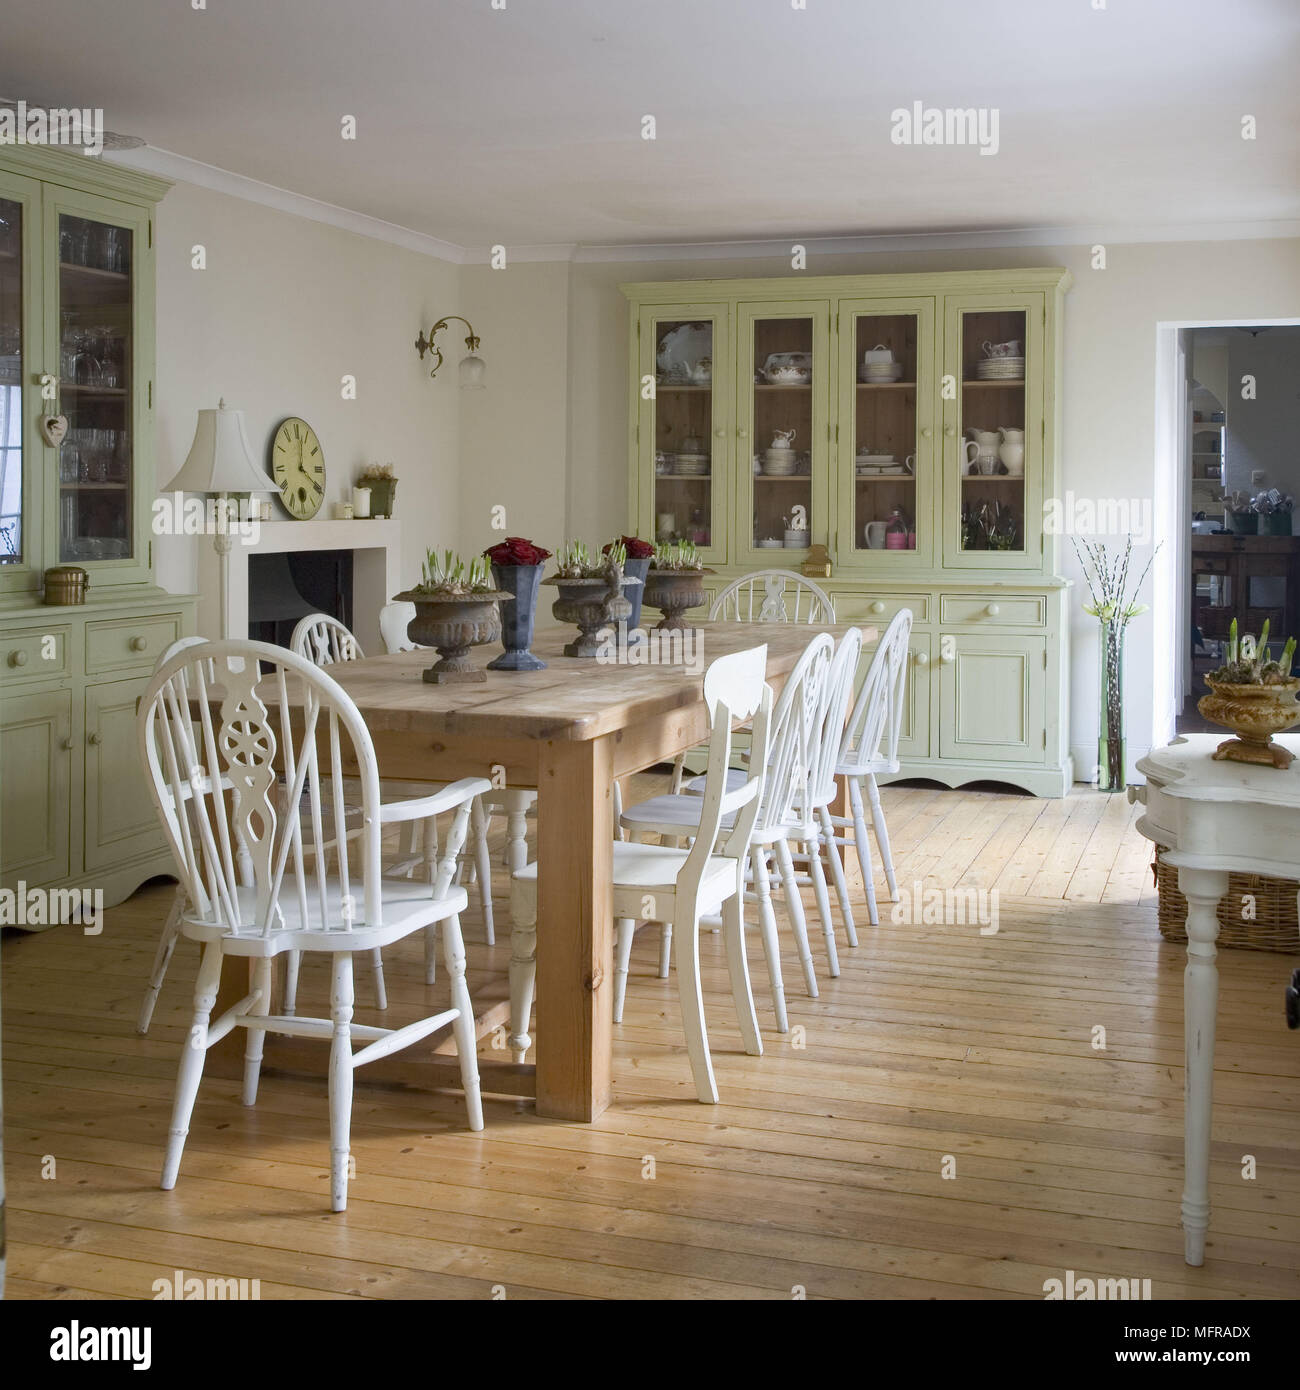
(1110, 710)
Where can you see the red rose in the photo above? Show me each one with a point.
(515, 550)
(636, 548)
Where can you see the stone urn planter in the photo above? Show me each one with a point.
(520, 583)
(1254, 712)
(453, 623)
(674, 592)
(595, 605)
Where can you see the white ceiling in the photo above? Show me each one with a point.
(522, 125)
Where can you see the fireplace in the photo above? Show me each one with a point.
(373, 549)
(285, 586)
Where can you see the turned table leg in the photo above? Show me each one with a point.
(1203, 888)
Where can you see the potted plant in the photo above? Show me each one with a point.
(639, 554)
(674, 582)
(381, 479)
(1274, 511)
(591, 594)
(1241, 516)
(455, 609)
(1255, 698)
(517, 566)
(1113, 605)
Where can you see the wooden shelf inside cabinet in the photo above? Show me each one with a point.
(93, 487)
(675, 386)
(783, 478)
(990, 478)
(886, 386)
(92, 393)
(794, 386)
(1017, 384)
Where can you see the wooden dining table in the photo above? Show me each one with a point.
(568, 731)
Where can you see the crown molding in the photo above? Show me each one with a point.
(985, 240)
(181, 169)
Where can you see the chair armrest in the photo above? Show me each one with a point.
(422, 807)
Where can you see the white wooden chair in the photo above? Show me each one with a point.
(782, 817)
(171, 927)
(679, 887)
(293, 901)
(324, 640)
(516, 803)
(764, 596)
(773, 596)
(870, 748)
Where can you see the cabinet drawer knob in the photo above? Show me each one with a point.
(94, 740)
(949, 431)
(926, 432)
(922, 658)
(741, 431)
(992, 610)
(137, 644)
(947, 657)
(66, 744)
(720, 432)
(18, 658)
(877, 607)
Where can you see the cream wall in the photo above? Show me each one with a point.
(515, 434)
(1109, 439)
(285, 308)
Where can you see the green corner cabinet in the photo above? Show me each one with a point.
(911, 425)
(77, 341)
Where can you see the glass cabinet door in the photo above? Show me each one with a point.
(94, 248)
(682, 427)
(994, 438)
(20, 358)
(96, 331)
(782, 432)
(885, 434)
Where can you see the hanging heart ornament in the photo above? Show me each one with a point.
(54, 427)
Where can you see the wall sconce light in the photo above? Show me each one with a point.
(472, 367)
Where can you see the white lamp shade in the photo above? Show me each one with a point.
(472, 369)
(220, 459)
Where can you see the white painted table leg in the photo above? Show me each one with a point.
(1203, 889)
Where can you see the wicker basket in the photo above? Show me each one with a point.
(1274, 927)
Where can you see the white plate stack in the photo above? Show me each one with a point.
(880, 373)
(692, 465)
(1000, 369)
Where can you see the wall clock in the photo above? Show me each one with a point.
(298, 467)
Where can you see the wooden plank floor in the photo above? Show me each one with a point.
(943, 1125)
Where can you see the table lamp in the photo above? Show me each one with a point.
(220, 464)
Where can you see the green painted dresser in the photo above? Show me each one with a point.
(77, 344)
(920, 416)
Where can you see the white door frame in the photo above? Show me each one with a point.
(1171, 615)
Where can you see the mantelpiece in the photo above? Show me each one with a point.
(965, 550)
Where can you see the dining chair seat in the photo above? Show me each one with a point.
(404, 905)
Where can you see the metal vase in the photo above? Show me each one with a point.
(517, 617)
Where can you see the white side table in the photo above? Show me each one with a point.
(1211, 818)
